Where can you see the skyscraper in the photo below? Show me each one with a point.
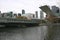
(19, 14)
(0, 14)
(23, 11)
(15, 15)
(36, 14)
(41, 15)
(55, 9)
(11, 14)
(33, 16)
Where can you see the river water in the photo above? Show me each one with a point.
(29, 33)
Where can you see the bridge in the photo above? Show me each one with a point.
(54, 27)
(51, 16)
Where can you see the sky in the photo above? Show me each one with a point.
(30, 6)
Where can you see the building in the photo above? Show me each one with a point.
(4, 15)
(11, 14)
(7, 14)
(36, 12)
(14, 15)
(19, 14)
(33, 15)
(29, 15)
(41, 14)
(23, 11)
(0, 14)
(56, 11)
(0, 11)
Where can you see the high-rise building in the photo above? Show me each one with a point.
(19, 14)
(23, 11)
(0, 14)
(36, 14)
(33, 16)
(41, 15)
(56, 11)
(11, 14)
(15, 15)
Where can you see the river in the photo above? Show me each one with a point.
(29, 33)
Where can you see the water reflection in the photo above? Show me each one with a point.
(50, 32)
(31, 33)
(53, 32)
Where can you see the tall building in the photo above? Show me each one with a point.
(19, 14)
(41, 15)
(33, 16)
(11, 14)
(36, 14)
(15, 15)
(23, 11)
(0, 11)
(56, 10)
(0, 14)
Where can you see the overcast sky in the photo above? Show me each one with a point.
(29, 5)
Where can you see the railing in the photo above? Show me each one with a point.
(15, 20)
